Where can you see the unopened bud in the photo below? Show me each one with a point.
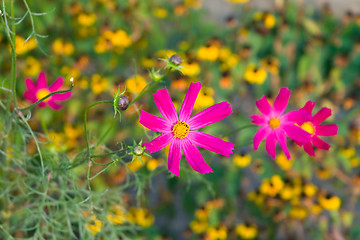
(123, 102)
(176, 60)
(139, 150)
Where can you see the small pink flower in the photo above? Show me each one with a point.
(315, 129)
(178, 130)
(37, 92)
(275, 125)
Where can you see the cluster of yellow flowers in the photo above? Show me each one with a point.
(61, 47)
(115, 41)
(23, 47)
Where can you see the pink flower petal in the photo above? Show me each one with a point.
(271, 144)
(30, 85)
(259, 119)
(296, 133)
(194, 158)
(309, 106)
(154, 123)
(175, 157)
(56, 85)
(189, 101)
(30, 96)
(309, 149)
(319, 143)
(211, 143)
(42, 104)
(165, 105)
(260, 135)
(281, 137)
(282, 100)
(263, 105)
(326, 130)
(159, 142)
(210, 115)
(53, 104)
(321, 115)
(298, 116)
(41, 81)
(61, 96)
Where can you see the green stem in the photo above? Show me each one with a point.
(108, 154)
(44, 98)
(13, 58)
(85, 123)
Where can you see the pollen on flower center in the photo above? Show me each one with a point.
(42, 93)
(181, 129)
(274, 123)
(308, 127)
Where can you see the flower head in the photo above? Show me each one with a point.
(276, 126)
(37, 91)
(314, 128)
(178, 131)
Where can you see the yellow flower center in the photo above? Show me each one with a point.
(308, 127)
(43, 93)
(181, 129)
(274, 123)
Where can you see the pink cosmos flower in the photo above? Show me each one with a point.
(276, 126)
(37, 92)
(178, 130)
(315, 129)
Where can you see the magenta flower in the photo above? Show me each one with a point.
(315, 129)
(178, 130)
(276, 126)
(37, 92)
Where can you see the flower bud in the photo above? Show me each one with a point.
(123, 102)
(139, 150)
(176, 60)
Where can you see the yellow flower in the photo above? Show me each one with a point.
(196, 4)
(347, 152)
(310, 190)
(22, 46)
(165, 53)
(269, 20)
(229, 62)
(69, 72)
(135, 84)
(99, 84)
(355, 161)
(238, 1)
(208, 53)
(32, 67)
(117, 216)
(255, 75)
(204, 98)
(246, 231)
(316, 209)
(217, 233)
(141, 217)
(242, 160)
(287, 193)
(57, 140)
(120, 39)
(190, 69)
(72, 132)
(272, 186)
(323, 173)
(137, 164)
(160, 12)
(94, 225)
(86, 20)
(198, 226)
(271, 65)
(298, 212)
(202, 213)
(102, 45)
(147, 62)
(283, 162)
(60, 47)
(330, 202)
(256, 197)
(152, 164)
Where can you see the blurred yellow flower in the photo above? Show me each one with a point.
(198, 226)
(217, 233)
(269, 20)
(152, 164)
(271, 65)
(256, 197)
(298, 212)
(310, 190)
(86, 20)
(204, 98)
(322, 173)
(196, 4)
(135, 84)
(60, 47)
(119, 38)
(32, 67)
(255, 75)
(94, 225)
(101, 45)
(286, 193)
(283, 162)
(98, 84)
(202, 213)
(22, 46)
(116, 215)
(316, 209)
(272, 186)
(141, 217)
(147, 62)
(246, 231)
(242, 160)
(191, 69)
(160, 12)
(208, 53)
(330, 202)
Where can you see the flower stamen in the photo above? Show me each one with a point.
(42, 93)
(180, 129)
(308, 127)
(274, 123)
